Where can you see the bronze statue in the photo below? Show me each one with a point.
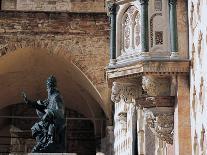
(49, 132)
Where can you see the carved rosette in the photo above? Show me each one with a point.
(161, 122)
(127, 92)
(156, 86)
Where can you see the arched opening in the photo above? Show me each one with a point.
(26, 70)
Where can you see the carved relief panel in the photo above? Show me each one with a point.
(130, 29)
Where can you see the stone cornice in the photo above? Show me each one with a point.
(120, 2)
(157, 67)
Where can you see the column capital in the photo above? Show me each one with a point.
(143, 2)
(111, 8)
(161, 122)
(126, 91)
(173, 2)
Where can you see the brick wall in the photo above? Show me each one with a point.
(55, 5)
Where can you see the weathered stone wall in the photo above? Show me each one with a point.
(197, 12)
(81, 38)
(55, 5)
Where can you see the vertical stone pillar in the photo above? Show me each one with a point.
(112, 15)
(140, 131)
(182, 131)
(173, 29)
(144, 28)
(123, 96)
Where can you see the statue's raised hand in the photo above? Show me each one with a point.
(25, 97)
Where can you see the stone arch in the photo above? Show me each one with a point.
(9, 70)
(26, 69)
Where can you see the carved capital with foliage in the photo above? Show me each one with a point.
(125, 91)
(172, 2)
(156, 86)
(161, 122)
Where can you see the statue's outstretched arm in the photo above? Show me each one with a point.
(35, 104)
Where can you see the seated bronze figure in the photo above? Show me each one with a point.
(49, 131)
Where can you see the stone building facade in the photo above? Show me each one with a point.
(149, 70)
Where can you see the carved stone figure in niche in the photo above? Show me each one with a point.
(49, 132)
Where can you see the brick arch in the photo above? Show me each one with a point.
(62, 52)
(55, 48)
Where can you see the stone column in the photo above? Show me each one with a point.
(173, 29)
(124, 95)
(182, 131)
(144, 28)
(112, 15)
(140, 131)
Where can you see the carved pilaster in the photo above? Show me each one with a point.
(127, 92)
(161, 122)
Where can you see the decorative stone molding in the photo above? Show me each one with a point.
(150, 67)
(161, 122)
(156, 86)
(174, 55)
(126, 91)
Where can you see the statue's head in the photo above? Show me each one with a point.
(51, 82)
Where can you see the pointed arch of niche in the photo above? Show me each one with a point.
(128, 29)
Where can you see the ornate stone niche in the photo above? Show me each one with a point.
(161, 122)
(128, 32)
